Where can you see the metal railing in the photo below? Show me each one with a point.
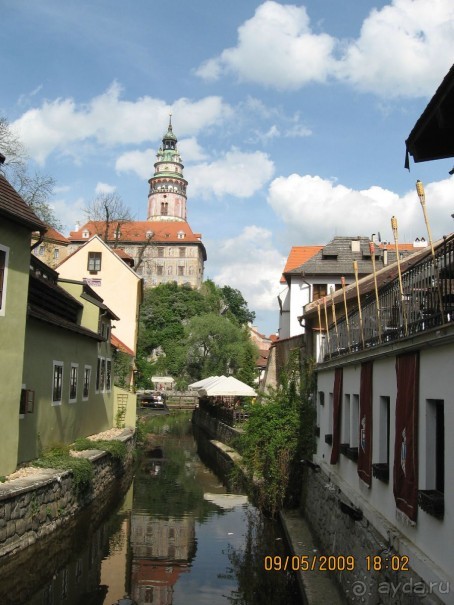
(425, 301)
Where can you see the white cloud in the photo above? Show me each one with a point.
(104, 188)
(138, 162)
(237, 173)
(403, 49)
(250, 263)
(315, 209)
(62, 124)
(276, 48)
(70, 212)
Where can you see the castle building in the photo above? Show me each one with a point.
(163, 248)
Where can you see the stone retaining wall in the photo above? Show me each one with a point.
(340, 535)
(214, 427)
(34, 506)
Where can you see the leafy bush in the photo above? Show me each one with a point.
(278, 434)
(58, 457)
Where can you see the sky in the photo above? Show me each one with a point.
(291, 119)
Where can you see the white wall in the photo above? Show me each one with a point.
(430, 535)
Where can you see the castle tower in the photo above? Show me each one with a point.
(167, 196)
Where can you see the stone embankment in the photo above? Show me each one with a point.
(36, 502)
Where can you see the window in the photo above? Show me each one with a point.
(98, 374)
(180, 234)
(3, 267)
(164, 208)
(56, 253)
(102, 375)
(435, 445)
(160, 269)
(27, 401)
(180, 270)
(87, 377)
(41, 251)
(160, 252)
(346, 420)
(57, 382)
(108, 374)
(94, 261)
(73, 382)
(354, 421)
(383, 428)
(319, 291)
(182, 252)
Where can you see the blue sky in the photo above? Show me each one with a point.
(291, 118)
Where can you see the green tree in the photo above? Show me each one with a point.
(216, 345)
(174, 317)
(236, 306)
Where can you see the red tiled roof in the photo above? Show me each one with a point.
(136, 231)
(14, 207)
(54, 235)
(298, 256)
(122, 254)
(118, 344)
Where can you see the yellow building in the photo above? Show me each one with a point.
(110, 276)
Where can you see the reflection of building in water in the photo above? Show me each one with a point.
(161, 550)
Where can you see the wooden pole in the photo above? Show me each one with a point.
(326, 324)
(346, 311)
(422, 199)
(355, 269)
(401, 288)
(372, 255)
(333, 308)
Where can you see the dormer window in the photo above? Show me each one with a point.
(181, 234)
(149, 234)
(85, 234)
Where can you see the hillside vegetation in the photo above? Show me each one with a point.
(191, 334)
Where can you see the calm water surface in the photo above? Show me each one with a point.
(177, 537)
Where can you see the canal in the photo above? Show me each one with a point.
(179, 535)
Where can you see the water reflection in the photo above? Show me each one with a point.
(177, 537)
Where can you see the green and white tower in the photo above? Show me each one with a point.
(167, 197)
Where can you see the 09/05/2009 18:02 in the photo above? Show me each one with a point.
(334, 563)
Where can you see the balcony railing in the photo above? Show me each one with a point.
(426, 301)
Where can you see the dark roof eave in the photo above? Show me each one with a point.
(54, 320)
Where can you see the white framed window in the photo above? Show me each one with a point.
(435, 445)
(384, 420)
(73, 379)
(87, 379)
(4, 256)
(346, 420)
(354, 421)
(57, 382)
(108, 375)
(98, 376)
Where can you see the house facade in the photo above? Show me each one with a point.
(51, 249)
(380, 479)
(322, 269)
(163, 248)
(112, 278)
(67, 384)
(17, 222)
